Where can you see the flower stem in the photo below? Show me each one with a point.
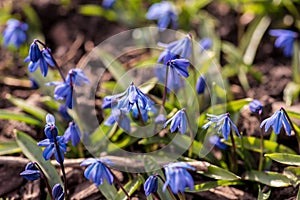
(55, 63)
(233, 152)
(43, 176)
(292, 125)
(119, 183)
(140, 114)
(168, 187)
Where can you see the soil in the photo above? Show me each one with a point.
(71, 36)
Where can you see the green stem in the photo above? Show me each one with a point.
(43, 176)
(119, 183)
(261, 156)
(233, 151)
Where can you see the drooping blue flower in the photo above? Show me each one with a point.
(178, 122)
(200, 85)
(34, 52)
(174, 82)
(285, 39)
(216, 140)
(223, 123)
(180, 66)
(72, 133)
(108, 4)
(14, 33)
(63, 91)
(121, 118)
(77, 77)
(255, 106)
(44, 60)
(58, 192)
(205, 44)
(31, 172)
(97, 170)
(63, 110)
(151, 185)
(50, 129)
(181, 48)
(276, 121)
(165, 13)
(178, 178)
(51, 149)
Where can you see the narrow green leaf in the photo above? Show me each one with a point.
(213, 184)
(232, 106)
(285, 158)
(253, 144)
(34, 153)
(109, 191)
(130, 187)
(31, 109)
(216, 172)
(291, 92)
(272, 179)
(261, 195)
(91, 10)
(8, 115)
(9, 148)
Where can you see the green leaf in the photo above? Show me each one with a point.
(9, 148)
(232, 106)
(216, 172)
(272, 179)
(8, 115)
(91, 10)
(261, 195)
(34, 153)
(213, 184)
(130, 187)
(31, 109)
(253, 144)
(109, 191)
(285, 158)
(291, 92)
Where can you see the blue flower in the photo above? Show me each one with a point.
(276, 121)
(72, 133)
(14, 33)
(63, 91)
(223, 124)
(174, 82)
(181, 47)
(216, 140)
(51, 149)
(97, 171)
(77, 77)
(255, 106)
(108, 4)
(31, 172)
(58, 192)
(205, 44)
(160, 119)
(63, 110)
(151, 185)
(44, 59)
(285, 39)
(180, 65)
(34, 83)
(50, 129)
(120, 117)
(178, 122)
(177, 177)
(34, 52)
(165, 13)
(200, 85)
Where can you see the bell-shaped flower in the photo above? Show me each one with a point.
(97, 171)
(222, 123)
(200, 85)
(285, 39)
(31, 172)
(165, 13)
(72, 133)
(50, 129)
(120, 117)
(151, 185)
(77, 77)
(34, 52)
(255, 106)
(205, 44)
(51, 150)
(14, 33)
(181, 47)
(178, 122)
(180, 66)
(276, 121)
(58, 192)
(174, 82)
(178, 178)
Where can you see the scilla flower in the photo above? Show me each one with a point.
(120, 117)
(165, 13)
(97, 171)
(108, 4)
(181, 47)
(178, 178)
(255, 106)
(223, 123)
(151, 185)
(72, 133)
(200, 85)
(14, 33)
(51, 149)
(285, 39)
(276, 121)
(180, 66)
(58, 192)
(178, 122)
(50, 129)
(31, 172)
(205, 44)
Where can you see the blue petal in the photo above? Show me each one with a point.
(226, 128)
